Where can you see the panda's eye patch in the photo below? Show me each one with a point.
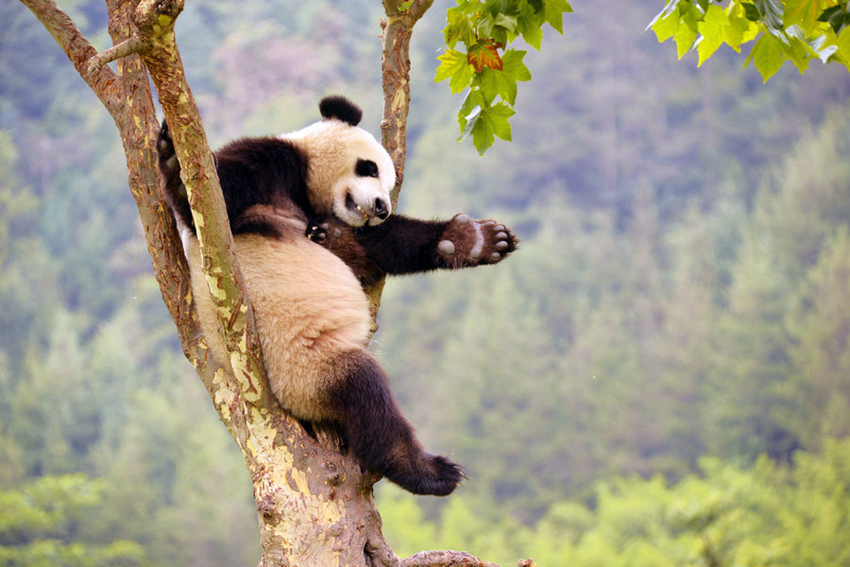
(366, 168)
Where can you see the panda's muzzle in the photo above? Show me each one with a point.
(380, 208)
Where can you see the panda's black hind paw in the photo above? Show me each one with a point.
(427, 475)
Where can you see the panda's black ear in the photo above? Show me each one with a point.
(340, 108)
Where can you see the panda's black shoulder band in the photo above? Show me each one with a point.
(340, 108)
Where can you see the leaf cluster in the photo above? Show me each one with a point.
(791, 30)
(485, 65)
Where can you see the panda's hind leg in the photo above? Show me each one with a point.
(358, 396)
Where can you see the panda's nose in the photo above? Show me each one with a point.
(382, 210)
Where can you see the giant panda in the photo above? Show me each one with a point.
(312, 221)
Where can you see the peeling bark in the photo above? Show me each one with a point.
(315, 506)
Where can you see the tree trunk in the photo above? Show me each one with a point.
(315, 506)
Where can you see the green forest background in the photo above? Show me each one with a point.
(659, 376)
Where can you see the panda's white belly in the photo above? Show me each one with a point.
(308, 307)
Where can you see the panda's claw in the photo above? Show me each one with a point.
(318, 233)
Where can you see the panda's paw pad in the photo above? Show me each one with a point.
(446, 247)
(499, 241)
(471, 242)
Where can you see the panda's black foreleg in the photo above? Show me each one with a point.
(174, 192)
(382, 440)
(403, 245)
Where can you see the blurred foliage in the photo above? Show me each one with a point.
(769, 514)
(676, 311)
(45, 523)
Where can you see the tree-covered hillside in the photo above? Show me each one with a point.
(677, 310)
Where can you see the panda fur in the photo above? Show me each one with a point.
(311, 216)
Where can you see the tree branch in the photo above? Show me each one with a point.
(395, 78)
(155, 23)
(123, 49)
(104, 83)
(444, 559)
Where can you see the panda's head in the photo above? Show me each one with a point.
(349, 174)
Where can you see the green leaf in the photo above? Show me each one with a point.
(504, 83)
(741, 30)
(513, 66)
(713, 30)
(666, 27)
(798, 52)
(768, 55)
(498, 116)
(468, 121)
(669, 9)
(468, 111)
(772, 12)
(529, 26)
(489, 82)
(485, 25)
(554, 11)
(684, 39)
(751, 12)
(451, 63)
(484, 125)
(507, 22)
(802, 12)
(824, 51)
(844, 46)
(458, 26)
(690, 15)
(836, 16)
(491, 123)
(454, 66)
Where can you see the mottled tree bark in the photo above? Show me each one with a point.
(314, 504)
(395, 78)
(395, 81)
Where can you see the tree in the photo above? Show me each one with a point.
(790, 30)
(315, 505)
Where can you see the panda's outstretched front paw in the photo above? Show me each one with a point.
(470, 242)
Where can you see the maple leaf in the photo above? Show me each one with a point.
(485, 54)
